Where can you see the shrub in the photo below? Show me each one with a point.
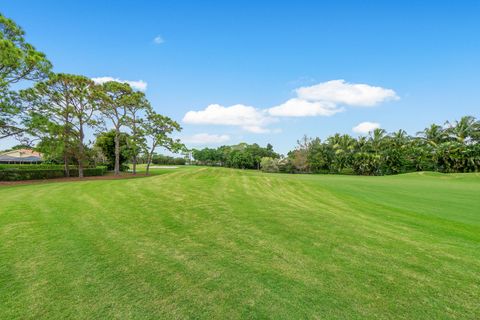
(269, 164)
(30, 167)
(18, 174)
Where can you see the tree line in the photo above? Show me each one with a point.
(59, 108)
(241, 156)
(452, 147)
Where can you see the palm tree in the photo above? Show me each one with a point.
(400, 135)
(464, 129)
(376, 138)
(433, 135)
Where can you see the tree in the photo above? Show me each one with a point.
(158, 129)
(115, 99)
(69, 103)
(376, 139)
(242, 155)
(300, 155)
(433, 135)
(136, 103)
(320, 156)
(19, 60)
(342, 146)
(269, 164)
(105, 142)
(51, 116)
(454, 149)
(464, 130)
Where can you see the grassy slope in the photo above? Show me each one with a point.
(211, 242)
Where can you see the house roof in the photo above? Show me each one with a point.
(21, 155)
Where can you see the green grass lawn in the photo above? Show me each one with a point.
(223, 243)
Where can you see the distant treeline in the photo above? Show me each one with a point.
(241, 156)
(167, 160)
(452, 147)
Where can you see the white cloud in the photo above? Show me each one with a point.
(302, 108)
(206, 138)
(247, 117)
(158, 40)
(342, 92)
(366, 127)
(138, 85)
(324, 99)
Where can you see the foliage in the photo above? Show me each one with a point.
(158, 129)
(41, 166)
(105, 142)
(19, 60)
(33, 172)
(167, 160)
(61, 109)
(450, 148)
(268, 164)
(242, 156)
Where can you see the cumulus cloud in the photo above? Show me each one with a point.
(302, 108)
(248, 118)
(366, 127)
(138, 85)
(328, 98)
(342, 92)
(324, 99)
(206, 138)
(158, 40)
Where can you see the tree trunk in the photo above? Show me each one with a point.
(65, 164)
(65, 146)
(117, 152)
(80, 153)
(134, 160)
(147, 172)
(149, 159)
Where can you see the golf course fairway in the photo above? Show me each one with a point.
(196, 242)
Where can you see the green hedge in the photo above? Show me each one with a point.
(12, 174)
(32, 167)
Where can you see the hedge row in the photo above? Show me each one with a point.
(37, 174)
(32, 167)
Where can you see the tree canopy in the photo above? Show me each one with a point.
(19, 60)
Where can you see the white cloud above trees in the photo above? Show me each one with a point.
(324, 99)
(328, 98)
(365, 127)
(137, 85)
(303, 108)
(248, 118)
(344, 93)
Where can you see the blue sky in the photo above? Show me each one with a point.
(419, 61)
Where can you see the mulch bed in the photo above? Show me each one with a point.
(105, 177)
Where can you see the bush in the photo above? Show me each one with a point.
(18, 174)
(269, 164)
(31, 167)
